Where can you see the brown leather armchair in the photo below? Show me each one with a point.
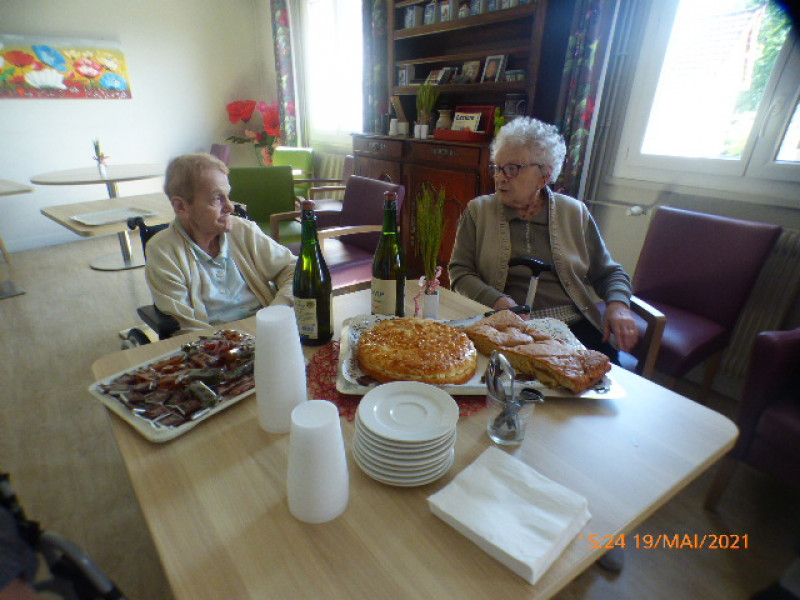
(769, 414)
(698, 270)
(350, 236)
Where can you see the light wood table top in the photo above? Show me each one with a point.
(91, 175)
(9, 188)
(215, 498)
(64, 214)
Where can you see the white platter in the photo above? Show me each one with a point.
(408, 411)
(146, 427)
(348, 372)
(112, 215)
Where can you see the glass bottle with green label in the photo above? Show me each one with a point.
(389, 266)
(312, 284)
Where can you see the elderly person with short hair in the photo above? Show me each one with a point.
(525, 218)
(210, 266)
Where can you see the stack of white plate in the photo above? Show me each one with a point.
(405, 433)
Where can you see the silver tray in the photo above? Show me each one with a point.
(151, 430)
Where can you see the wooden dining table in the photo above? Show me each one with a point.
(215, 498)
(110, 176)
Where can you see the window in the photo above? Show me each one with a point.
(715, 100)
(330, 57)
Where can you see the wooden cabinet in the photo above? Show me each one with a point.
(514, 33)
(457, 167)
(531, 36)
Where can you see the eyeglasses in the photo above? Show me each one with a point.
(510, 170)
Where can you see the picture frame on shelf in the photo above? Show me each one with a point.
(405, 75)
(493, 68)
(446, 75)
(445, 11)
(471, 69)
(434, 76)
(477, 7)
(431, 14)
(413, 17)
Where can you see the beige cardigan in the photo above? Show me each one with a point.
(173, 275)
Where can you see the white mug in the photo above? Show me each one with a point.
(393, 129)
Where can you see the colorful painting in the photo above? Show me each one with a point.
(39, 67)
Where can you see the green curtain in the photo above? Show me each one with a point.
(282, 40)
(581, 85)
(376, 80)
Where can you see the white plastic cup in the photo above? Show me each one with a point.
(423, 132)
(317, 480)
(280, 368)
(393, 129)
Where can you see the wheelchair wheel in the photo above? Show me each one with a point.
(135, 337)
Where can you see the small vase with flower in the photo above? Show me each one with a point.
(430, 227)
(264, 138)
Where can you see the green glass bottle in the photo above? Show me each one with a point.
(312, 284)
(389, 265)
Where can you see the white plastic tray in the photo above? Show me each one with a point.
(112, 215)
(348, 371)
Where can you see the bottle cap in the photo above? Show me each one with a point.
(307, 205)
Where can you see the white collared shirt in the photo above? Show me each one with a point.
(225, 293)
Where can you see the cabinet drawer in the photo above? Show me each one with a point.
(446, 154)
(378, 147)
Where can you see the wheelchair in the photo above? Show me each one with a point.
(72, 573)
(162, 324)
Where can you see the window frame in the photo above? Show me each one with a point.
(754, 172)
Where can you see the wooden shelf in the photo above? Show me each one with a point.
(466, 88)
(497, 16)
(457, 58)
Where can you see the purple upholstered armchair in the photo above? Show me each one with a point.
(698, 270)
(769, 414)
(349, 237)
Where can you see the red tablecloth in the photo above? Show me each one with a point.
(321, 374)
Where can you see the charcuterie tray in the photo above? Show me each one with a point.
(163, 398)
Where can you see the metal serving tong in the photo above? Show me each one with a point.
(508, 424)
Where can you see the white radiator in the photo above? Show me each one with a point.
(774, 293)
(330, 166)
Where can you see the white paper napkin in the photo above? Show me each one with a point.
(512, 512)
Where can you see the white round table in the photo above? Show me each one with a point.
(110, 175)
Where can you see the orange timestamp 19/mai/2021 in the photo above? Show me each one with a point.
(669, 541)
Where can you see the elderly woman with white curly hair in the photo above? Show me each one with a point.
(524, 218)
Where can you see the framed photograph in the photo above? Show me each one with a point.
(446, 75)
(433, 76)
(405, 75)
(470, 70)
(444, 11)
(493, 69)
(431, 15)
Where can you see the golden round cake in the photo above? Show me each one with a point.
(417, 350)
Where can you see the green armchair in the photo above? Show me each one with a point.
(301, 160)
(265, 191)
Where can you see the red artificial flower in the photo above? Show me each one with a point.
(272, 119)
(241, 110)
(19, 58)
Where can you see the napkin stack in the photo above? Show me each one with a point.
(512, 512)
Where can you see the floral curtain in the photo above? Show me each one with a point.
(376, 91)
(581, 85)
(282, 40)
